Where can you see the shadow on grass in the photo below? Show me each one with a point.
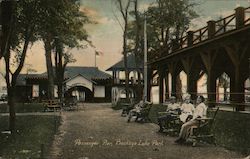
(32, 132)
(23, 107)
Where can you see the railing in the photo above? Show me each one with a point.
(247, 16)
(239, 19)
(200, 35)
(183, 42)
(225, 24)
(122, 82)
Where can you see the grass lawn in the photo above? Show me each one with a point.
(32, 132)
(23, 107)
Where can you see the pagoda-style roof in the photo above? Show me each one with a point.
(119, 66)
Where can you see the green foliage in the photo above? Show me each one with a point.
(62, 20)
(167, 20)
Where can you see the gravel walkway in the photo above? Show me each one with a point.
(98, 132)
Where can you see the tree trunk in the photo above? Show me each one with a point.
(11, 103)
(60, 67)
(6, 16)
(50, 71)
(10, 92)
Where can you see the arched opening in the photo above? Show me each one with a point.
(133, 77)
(202, 85)
(223, 88)
(183, 78)
(81, 93)
(154, 95)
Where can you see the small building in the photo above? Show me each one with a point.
(87, 84)
(135, 70)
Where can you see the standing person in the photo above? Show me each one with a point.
(172, 111)
(200, 112)
(187, 109)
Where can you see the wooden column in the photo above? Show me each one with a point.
(166, 86)
(211, 88)
(172, 69)
(237, 53)
(240, 17)
(150, 72)
(173, 84)
(161, 81)
(208, 59)
(190, 35)
(211, 28)
(192, 76)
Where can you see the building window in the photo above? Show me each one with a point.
(99, 91)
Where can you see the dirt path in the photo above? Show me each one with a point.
(99, 132)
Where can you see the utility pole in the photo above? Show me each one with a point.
(145, 58)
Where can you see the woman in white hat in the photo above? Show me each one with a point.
(187, 109)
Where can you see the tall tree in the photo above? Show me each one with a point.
(167, 20)
(123, 6)
(61, 20)
(21, 34)
(67, 38)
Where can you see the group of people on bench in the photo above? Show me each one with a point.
(187, 113)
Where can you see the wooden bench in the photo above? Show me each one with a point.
(52, 104)
(144, 114)
(70, 104)
(204, 131)
(126, 107)
(173, 126)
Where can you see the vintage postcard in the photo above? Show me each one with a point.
(125, 79)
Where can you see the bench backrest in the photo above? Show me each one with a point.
(51, 102)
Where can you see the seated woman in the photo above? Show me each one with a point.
(187, 109)
(173, 109)
(199, 112)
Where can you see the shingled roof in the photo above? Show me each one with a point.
(131, 64)
(90, 73)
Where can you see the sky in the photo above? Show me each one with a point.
(106, 35)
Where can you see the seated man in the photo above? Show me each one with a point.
(137, 109)
(173, 109)
(199, 112)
